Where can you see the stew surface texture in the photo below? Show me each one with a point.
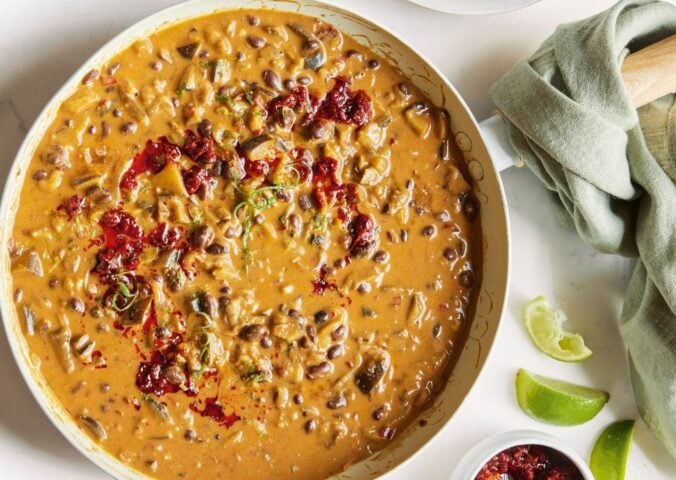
(245, 248)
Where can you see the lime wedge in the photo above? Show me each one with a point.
(545, 327)
(557, 402)
(608, 459)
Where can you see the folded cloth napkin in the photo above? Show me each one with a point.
(611, 171)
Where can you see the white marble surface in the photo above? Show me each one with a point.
(44, 41)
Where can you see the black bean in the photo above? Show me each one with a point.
(91, 129)
(202, 236)
(255, 41)
(311, 332)
(436, 330)
(404, 89)
(155, 65)
(364, 287)
(469, 209)
(205, 128)
(209, 305)
(294, 225)
(117, 113)
(466, 278)
(230, 232)
(355, 54)
(240, 56)
(409, 184)
(90, 76)
(266, 342)
(112, 69)
(105, 129)
(289, 84)
(190, 435)
(216, 168)
(105, 387)
(403, 235)
(339, 401)
(77, 305)
(318, 129)
(217, 249)
(304, 202)
(40, 175)
(304, 80)
(339, 333)
(321, 316)
(283, 195)
(419, 210)
(335, 351)
(380, 256)
(253, 20)
(272, 80)
(227, 289)
(443, 216)
(450, 254)
(373, 64)
(340, 263)
(310, 426)
(128, 128)
(429, 231)
(174, 374)
(298, 399)
(378, 413)
(253, 332)
(319, 370)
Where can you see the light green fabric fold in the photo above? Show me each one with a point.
(611, 171)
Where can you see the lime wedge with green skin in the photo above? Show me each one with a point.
(557, 402)
(608, 459)
(545, 327)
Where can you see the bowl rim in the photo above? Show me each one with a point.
(154, 21)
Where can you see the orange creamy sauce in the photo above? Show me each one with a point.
(245, 247)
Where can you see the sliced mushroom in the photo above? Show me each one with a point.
(137, 312)
(417, 309)
(259, 147)
(188, 50)
(313, 50)
(84, 348)
(61, 341)
(57, 155)
(95, 427)
(30, 320)
(129, 96)
(372, 371)
(30, 262)
(159, 408)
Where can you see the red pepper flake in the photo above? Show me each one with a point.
(164, 237)
(195, 178)
(297, 99)
(362, 235)
(199, 149)
(150, 377)
(72, 207)
(153, 158)
(322, 283)
(214, 410)
(123, 244)
(529, 462)
(344, 105)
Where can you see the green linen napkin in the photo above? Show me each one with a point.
(610, 170)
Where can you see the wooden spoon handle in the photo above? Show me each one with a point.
(651, 73)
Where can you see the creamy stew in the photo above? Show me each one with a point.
(245, 248)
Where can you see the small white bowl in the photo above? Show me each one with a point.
(482, 452)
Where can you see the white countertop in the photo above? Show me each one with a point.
(44, 41)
